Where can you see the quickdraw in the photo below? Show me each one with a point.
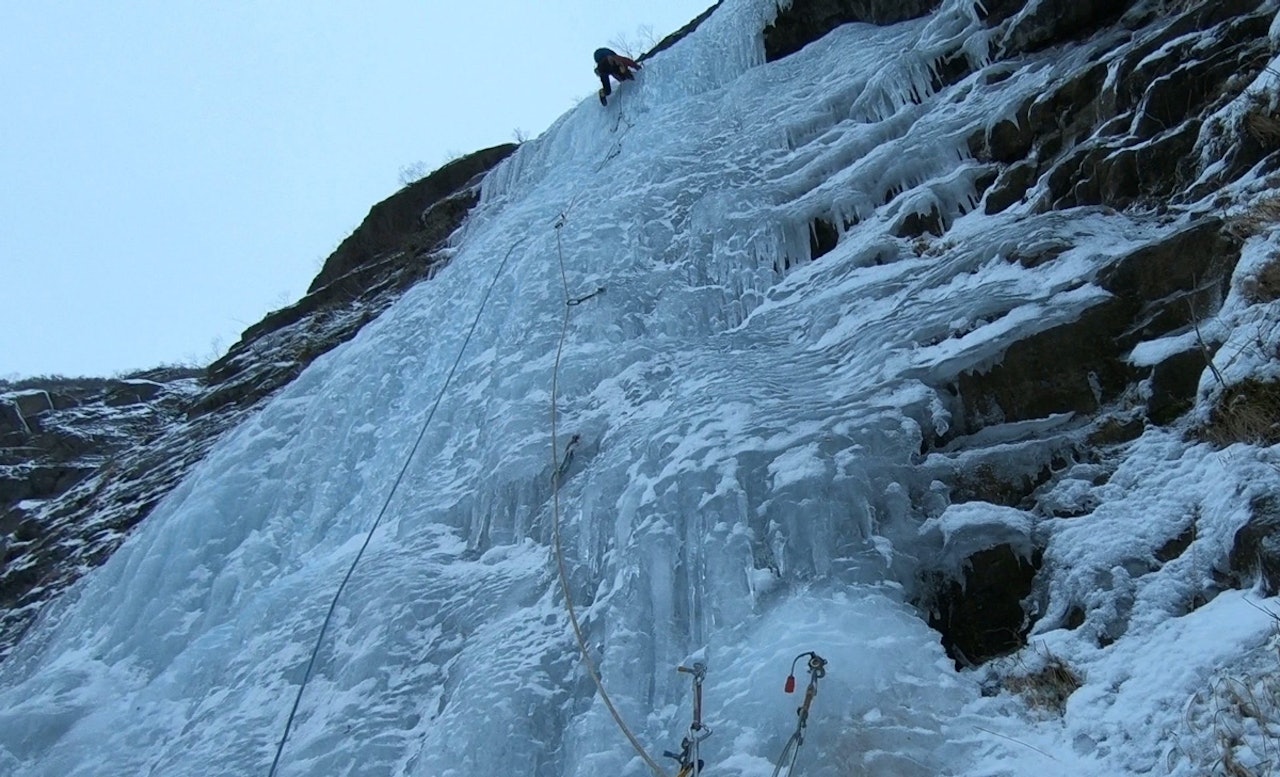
(561, 567)
(573, 303)
(690, 763)
(817, 670)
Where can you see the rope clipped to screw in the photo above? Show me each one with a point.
(561, 566)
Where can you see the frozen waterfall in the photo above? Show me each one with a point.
(749, 422)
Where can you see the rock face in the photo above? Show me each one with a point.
(1043, 24)
(980, 616)
(1128, 140)
(1255, 555)
(83, 461)
(60, 435)
(405, 222)
(397, 245)
(1081, 367)
(807, 20)
(1126, 130)
(53, 437)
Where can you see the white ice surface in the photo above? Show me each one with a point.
(750, 421)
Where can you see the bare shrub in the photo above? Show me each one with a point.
(635, 44)
(1232, 726)
(414, 172)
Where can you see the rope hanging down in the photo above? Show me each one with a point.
(817, 670)
(386, 503)
(555, 506)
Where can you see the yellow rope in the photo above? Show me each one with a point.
(555, 501)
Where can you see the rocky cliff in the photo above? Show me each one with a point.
(1152, 118)
(83, 461)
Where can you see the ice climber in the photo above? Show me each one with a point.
(611, 63)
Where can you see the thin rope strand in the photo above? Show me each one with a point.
(387, 503)
(790, 749)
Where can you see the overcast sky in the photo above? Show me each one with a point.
(172, 170)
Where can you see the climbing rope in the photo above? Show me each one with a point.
(315, 651)
(555, 506)
(817, 670)
(690, 763)
(616, 149)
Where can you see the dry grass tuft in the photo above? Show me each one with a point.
(1262, 216)
(1264, 128)
(1267, 285)
(1260, 121)
(1263, 286)
(1046, 688)
(1248, 412)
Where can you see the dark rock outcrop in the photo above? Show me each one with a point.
(679, 34)
(394, 221)
(81, 427)
(1010, 187)
(30, 404)
(1055, 21)
(1074, 367)
(1173, 385)
(1048, 23)
(82, 463)
(1170, 284)
(1117, 141)
(395, 246)
(1255, 553)
(1079, 367)
(11, 420)
(808, 20)
(980, 616)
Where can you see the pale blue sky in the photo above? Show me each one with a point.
(170, 171)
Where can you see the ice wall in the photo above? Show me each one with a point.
(748, 423)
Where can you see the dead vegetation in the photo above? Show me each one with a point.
(1248, 412)
(1232, 728)
(1045, 683)
(1261, 217)
(1260, 121)
(1264, 285)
